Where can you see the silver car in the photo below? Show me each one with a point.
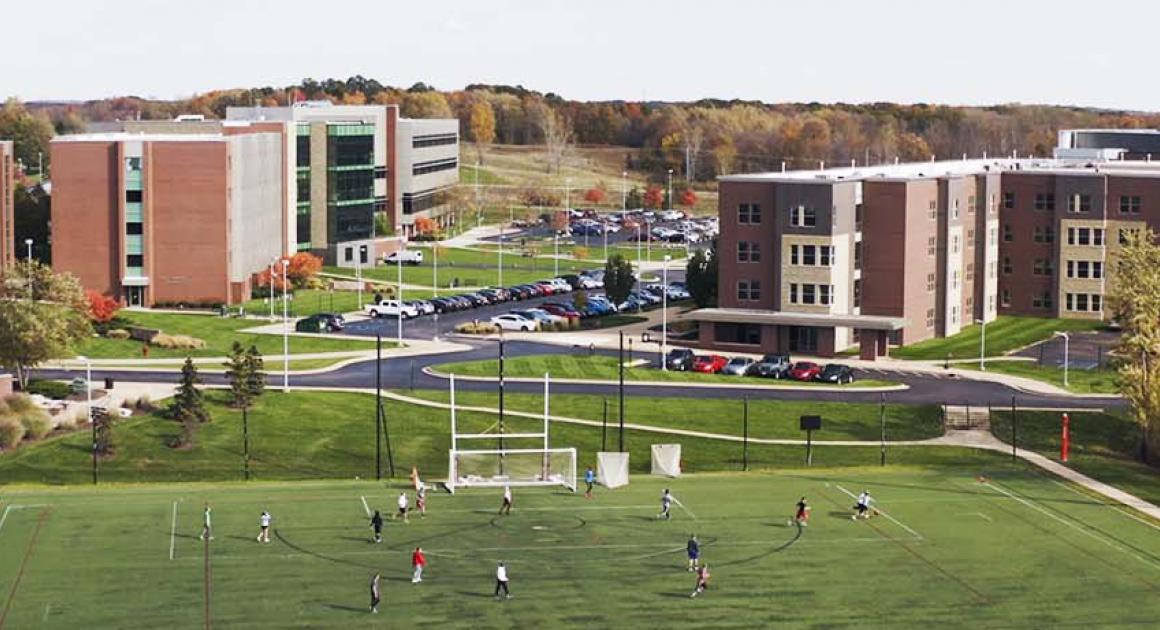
(738, 366)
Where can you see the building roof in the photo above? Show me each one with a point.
(124, 136)
(788, 318)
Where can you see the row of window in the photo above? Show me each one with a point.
(434, 166)
(811, 293)
(1039, 300)
(1129, 204)
(748, 252)
(1085, 236)
(799, 216)
(1085, 269)
(811, 255)
(434, 140)
(1083, 302)
(748, 290)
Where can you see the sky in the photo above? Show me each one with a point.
(1063, 52)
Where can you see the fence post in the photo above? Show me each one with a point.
(882, 418)
(1014, 457)
(604, 427)
(745, 434)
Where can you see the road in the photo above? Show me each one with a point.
(405, 373)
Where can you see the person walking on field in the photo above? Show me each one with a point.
(402, 507)
(206, 526)
(590, 480)
(421, 501)
(702, 580)
(377, 524)
(264, 527)
(375, 599)
(506, 506)
(418, 561)
(501, 582)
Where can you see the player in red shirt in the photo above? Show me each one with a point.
(418, 561)
(702, 580)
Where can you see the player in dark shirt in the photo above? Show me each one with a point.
(377, 524)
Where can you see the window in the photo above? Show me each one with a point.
(1097, 236)
(809, 255)
(793, 293)
(932, 246)
(1042, 300)
(793, 255)
(348, 254)
(824, 292)
(1097, 302)
(134, 260)
(1129, 205)
(1081, 301)
(955, 279)
(955, 244)
(133, 196)
(748, 290)
(991, 269)
(748, 252)
(858, 254)
(970, 276)
(809, 293)
(933, 210)
(749, 334)
(433, 166)
(434, 140)
(931, 281)
(1085, 236)
(749, 213)
(1125, 232)
(1008, 236)
(825, 255)
(993, 237)
(1043, 267)
(971, 204)
(1006, 297)
(1079, 203)
(1097, 269)
(930, 318)
(955, 209)
(134, 229)
(801, 216)
(970, 239)
(954, 315)
(858, 217)
(1009, 200)
(857, 293)
(992, 205)
(1045, 201)
(1044, 234)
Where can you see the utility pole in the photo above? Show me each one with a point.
(882, 418)
(621, 437)
(745, 435)
(378, 407)
(501, 388)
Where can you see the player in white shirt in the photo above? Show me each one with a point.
(402, 507)
(501, 581)
(863, 505)
(264, 524)
(206, 526)
(506, 507)
(666, 504)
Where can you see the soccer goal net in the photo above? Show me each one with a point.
(666, 460)
(612, 469)
(513, 467)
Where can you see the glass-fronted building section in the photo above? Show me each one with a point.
(303, 177)
(134, 233)
(350, 166)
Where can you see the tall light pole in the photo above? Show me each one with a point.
(399, 291)
(270, 297)
(982, 345)
(499, 261)
(92, 422)
(623, 193)
(285, 330)
(605, 231)
(28, 242)
(638, 265)
(1065, 349)
(665, 310)
(362, 250)
(435, 259)
(670, 199)
(556, 243)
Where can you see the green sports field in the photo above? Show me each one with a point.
(1017, 549)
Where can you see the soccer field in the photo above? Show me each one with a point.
(1014, 549)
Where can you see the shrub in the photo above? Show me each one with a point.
(560, 326)
(146, 404)
(118, 333)
(477, 328)
(177, 342)
(19, 403)
(11, 432)
(49, 389)
(36, 423)
(4, 410)
(66, 423)
(128, 403)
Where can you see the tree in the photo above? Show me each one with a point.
(555, 131)
(688, 197)
(238, 375)
(255, 373)
(30, 132)
(188, 404)
(304, 266)
(618, 278)
(102, 308)
(1135, 304)
(634, 198)
(701, 277)
(594, 195)
(654, 197)
(425, 226)
(44, 316)
(425, 104)
(481, 125)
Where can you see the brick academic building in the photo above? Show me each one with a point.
(815, 262)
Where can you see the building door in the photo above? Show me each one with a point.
(803, 339)
(135, 296)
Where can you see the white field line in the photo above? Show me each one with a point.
(465, 553)
(173, 532)
(980, 515)
(1118, 508)
(3, 518)
(366, 507)
(883, 513)
(577, 508)
(682, 506)
(13, 506)
(994, 486)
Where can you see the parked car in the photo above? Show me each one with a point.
(805, 371)
(771, 366)
(836, 373)
(547, 288)
(574, 281)
(561, 310)
(425, 307)
(709, 363)
(672, 215)
(318, 323)
(405, 256)
(680, 359)
(392, 308)
(513, 321)
(443, 305)
(738, 366)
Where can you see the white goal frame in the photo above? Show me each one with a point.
(545, 477)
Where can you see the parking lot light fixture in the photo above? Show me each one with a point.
(1066, 339)
(665, 310)
(285, 329)
(982, 345)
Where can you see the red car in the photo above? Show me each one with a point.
(556, 309)
(805, 371)
(709, 363)
(546, 288)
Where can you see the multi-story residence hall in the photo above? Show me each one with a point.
(352, 161)
(7, 190)
(814, 262)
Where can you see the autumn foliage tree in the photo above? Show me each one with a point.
(654, 197)
(102, 308)
(426, 226)
(304, 266)
(687, 197)
(594, 195)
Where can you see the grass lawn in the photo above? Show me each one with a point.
(1019, 551)
(600, 367)
(219, 333)
(1005, 334)
(1078, 381)
(309, 302)
(468, 175)
(768, 419)
(1104, 446)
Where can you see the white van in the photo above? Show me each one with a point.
(406, 256)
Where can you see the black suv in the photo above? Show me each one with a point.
(680, 359)
(836, 373)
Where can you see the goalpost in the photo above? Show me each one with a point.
(490, 468)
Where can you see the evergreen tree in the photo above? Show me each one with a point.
(188, 404)
(237, 373)
(701, 277)
(255, 373)
(618, 278)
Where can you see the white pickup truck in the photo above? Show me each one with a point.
(406, 256)
(392, 308)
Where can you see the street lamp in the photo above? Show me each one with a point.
(28, 242)
(623, 193)
(1065, 349)
(92, 423)
(640, 220)
(362, 251)
(665, 310)
(499, 261)
(556, 244)
(270, 298)
(399, 289)
(982, 346)
(670, 200)
(285, 330)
